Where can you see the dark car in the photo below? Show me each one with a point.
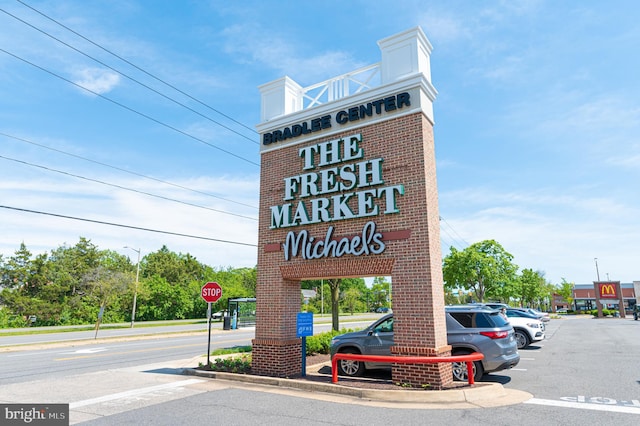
(542, 316)
(469, 329)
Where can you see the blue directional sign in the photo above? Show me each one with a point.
(304, 326)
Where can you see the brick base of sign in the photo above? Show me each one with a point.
(437, 376)
(277, 358)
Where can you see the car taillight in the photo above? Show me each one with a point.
(495, 334)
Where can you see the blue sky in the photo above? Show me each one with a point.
(537, 121)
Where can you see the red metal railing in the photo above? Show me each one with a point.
(468, 359)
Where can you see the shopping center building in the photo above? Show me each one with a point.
(584, 298)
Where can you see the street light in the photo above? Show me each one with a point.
(595, 259)
(135, 290)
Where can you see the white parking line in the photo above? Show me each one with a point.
(527, 359)
(517, 369)
(133, 392)
(584, 406)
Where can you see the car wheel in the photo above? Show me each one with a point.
(348, 367)
(522, 339)
(460, 369)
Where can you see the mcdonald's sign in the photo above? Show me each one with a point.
(607, 291)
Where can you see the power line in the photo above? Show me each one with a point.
(466, 244)
(182, 132)
(127, 226)
(125, 188)
(450, 242)
(125, 170)
(129, 77)
(137, 67)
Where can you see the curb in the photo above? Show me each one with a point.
(480, 395)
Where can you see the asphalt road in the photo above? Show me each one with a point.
(36, 335)
(55, 355)
(585, 373)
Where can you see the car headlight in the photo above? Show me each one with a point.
(533, 325)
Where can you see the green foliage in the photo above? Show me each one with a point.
(380, 294)
(321, 343)
(174, 267)
(241, 364)
(530, 287)
(234, 350)
(338, 295)
(8, 321)
(566, 291)
(69, 285)
(351, 298)
(162, 300)
(484, 267)
(605, 312)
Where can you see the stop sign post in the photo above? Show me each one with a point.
(211, 293)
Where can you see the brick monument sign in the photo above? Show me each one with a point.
(348, 189)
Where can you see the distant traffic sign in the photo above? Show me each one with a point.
(211, 292)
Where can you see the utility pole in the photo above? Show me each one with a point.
(135, 290)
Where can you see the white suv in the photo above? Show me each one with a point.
(526, 328)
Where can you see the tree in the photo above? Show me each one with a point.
(484, 267)
(351, 299)
(380, 293)
(334, 286)
(162, 300)
(321, 303)
(70, 264)
(530, 287)
(176, 268)
(103, 286)
(15, 273)
(566, 291)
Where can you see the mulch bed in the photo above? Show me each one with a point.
(319, 371)
(373, 380)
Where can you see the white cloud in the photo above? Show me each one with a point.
(444, 29)
(98, 80)
(216, 231)
(274, 50)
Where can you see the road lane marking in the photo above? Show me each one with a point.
(527, 359)
(137, 351)
(126, 352)
(133, 392)
(86, 351)
(584, 406)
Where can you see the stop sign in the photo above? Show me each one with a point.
(211, 292)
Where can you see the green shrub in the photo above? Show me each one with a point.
(321, 343)
(240, 364)
(8, 320)
(605, 312)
